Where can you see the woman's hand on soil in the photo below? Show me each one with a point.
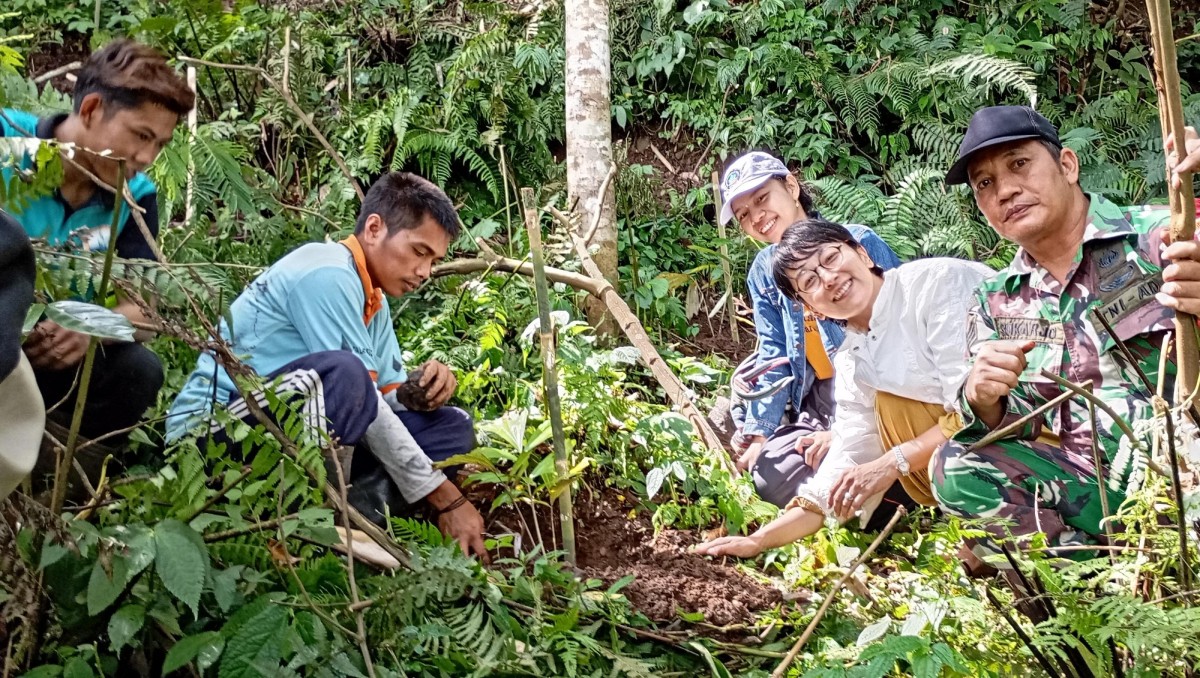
(859, 483)
(814, 447)
(738, 547)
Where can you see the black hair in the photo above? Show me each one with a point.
(403, 199)
(800, 241)
(1054, 149)
(805, 197)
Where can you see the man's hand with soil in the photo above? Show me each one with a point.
(429, 387)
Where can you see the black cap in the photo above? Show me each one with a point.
(997, 125)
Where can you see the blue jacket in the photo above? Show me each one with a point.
(779, 323)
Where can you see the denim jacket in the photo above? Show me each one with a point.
(779, 323)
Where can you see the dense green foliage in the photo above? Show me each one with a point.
(866, 99)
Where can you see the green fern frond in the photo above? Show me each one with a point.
(990, 71)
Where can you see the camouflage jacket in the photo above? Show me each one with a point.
(1116, 274)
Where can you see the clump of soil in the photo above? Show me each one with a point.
(412, 395)
(614, 539)
(670, 579)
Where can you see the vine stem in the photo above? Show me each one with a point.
(354, 599)
(812, 625)
(85, 381)
(1041, 658)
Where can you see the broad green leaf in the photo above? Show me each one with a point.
(926, 666)
(181, 562)
(654, 481)
(204, 648)
(257, 640)
(90, 319)
(717, 668)
(224, 587)
(52, 553)
(621, 583)
(124, 625)
(874, 632)
(342, 664)
(102, 589)
(44, 672)
(78, 667)
(139, 546)
(32, 317)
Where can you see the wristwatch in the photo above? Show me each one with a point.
(901, 462)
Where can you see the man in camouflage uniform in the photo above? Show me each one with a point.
(1081, 257)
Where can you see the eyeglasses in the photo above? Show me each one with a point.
(829, 259)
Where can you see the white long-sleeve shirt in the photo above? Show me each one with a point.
(916, 348)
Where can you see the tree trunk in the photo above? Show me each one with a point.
(589, 137)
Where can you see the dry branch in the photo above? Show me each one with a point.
(646, 351)
(812, 625)
(468, 266)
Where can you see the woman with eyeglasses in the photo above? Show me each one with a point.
(783, 434)
(897, 374)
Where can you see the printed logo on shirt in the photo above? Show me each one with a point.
(1134, 294)
(1018, 328)
(366, 351)
(96, 239)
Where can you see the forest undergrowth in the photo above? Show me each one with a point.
(198, 559)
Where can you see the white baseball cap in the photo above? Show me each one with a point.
(746, 174)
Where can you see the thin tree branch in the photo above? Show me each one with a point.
(296, 109)
(812, 625)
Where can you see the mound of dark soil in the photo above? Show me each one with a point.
(615, 539)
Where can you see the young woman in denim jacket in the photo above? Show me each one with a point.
(899, 372)
(784, 435)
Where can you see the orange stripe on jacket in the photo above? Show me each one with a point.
(814, 349)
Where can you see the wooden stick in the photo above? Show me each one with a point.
(591, 232)
(189, 200)
(562, 465)
(509, 265)
(287, 59)
(50, 75)
(1041, 658)
(1075, 388)
(354, 599)
(1002, 433)
(1183, 211)
(725, 273)
(812, 625)
(649, 355)
(663, 159)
